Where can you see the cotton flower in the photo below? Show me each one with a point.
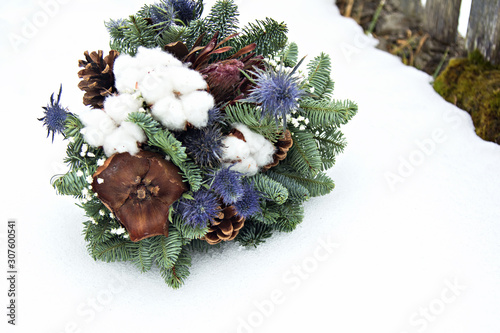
(124, 139)
(98, 124)
(118, 107)
(247, 150)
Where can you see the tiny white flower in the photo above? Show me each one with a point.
(102, 212)
(85, 192)
(94, 221)
(111, 215)
(100, 161)
(300, 118)
(90, 187)
(100, 180)
(72, 139)
(302, 127)
(85, 147)
(167, 157)
(89, 179)
(126, 236)
(306, 121)
(79, 173)
(90, 154)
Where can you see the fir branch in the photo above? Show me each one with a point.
(132, 33)
(173, 34)
(269, 35)
(269, 214)
(71, 183)
(290, 55)
(198, 245)
(186, 231)
(248, 115)
(164, 140)
(331, 142)
(319, 82)
(318, 185)
(141, 254)
(176, 275)
(223, 17)
(304, 155)
(166, 250)
(113, 249)
(254, 233)
(291, 215)
(270, 189)
(325, 113)
(96, 233)
(296, 191)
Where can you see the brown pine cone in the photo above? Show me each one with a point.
(282, 145)
(225, 227)
(97, 77)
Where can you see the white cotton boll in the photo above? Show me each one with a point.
(97, 126)
(120, 141)
(155, 85)
(234, 149)
(247, 167)
(126, 81)
(264, 156)
(118, 107)
(134, 131)
(196, 106)
(261, 149)
(155, 58)
(185, 80)
(169, 112)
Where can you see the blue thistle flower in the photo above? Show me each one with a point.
(162, 14)
(200, 210)
(215, 116)
(248, 204)
(277, 92)
(55, 116)
(204, 145)
(185, 10)
(228, 185)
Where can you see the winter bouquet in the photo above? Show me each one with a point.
(196, 132)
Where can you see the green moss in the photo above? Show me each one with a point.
(473, 84)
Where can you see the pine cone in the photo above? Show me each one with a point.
(97, 77)
(225, 227)
(283, 145)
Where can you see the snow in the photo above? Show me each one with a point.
(407, 241)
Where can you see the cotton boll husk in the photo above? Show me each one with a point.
(155, 85)
(121, 140)
(118, 107)
(196, 106)
(185, 80)
(169, 112)
(234, 149)
(97, 126)
(155, 58)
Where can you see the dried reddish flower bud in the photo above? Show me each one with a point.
(139, 190)
(223, 78)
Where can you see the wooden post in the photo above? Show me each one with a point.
(411, 8)
(441, 19)
(483, 32)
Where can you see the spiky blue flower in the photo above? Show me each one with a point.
(276, 91)
(249, 203)
(204, 145)
(162, 14)
(215, 116)
(200, 210)
(228, 185)
(185, 10)
(55, 116)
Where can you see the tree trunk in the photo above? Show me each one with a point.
(411, 8)
(483, 32)
(441, 19)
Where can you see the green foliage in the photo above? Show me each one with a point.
(172, 34)
(176, 275)
(114, 249)
(290, 55)
(254, 233)
(291, 214)
(186, 231)
(270, 189)
(248, 115)
(296, 192)
(269, 35)
(304, 155)
(198, 245)
(317, 185)
(140, 254)
(223, 17)
(163, 139)
(166, 250)
(331, 142)
(71, 183)
(134, 32)
(325, 113)
(319, 82)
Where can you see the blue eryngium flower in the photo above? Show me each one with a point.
(228, 185)
(200, 210)
(248, 204)
(55, 116)
(277, 92)
(162, 14)
(184, 9)
(204, 145)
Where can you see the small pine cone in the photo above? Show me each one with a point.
(225, 227)
(283, 145)
(97, 77)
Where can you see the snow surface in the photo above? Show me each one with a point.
(419, 256)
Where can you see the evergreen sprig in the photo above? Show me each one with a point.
(254, 234)
(269, 36)
(325, 113)
(270, 189)
(319, 81)
(127, 35)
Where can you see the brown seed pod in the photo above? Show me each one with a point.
(225, 227)
(139, 190)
